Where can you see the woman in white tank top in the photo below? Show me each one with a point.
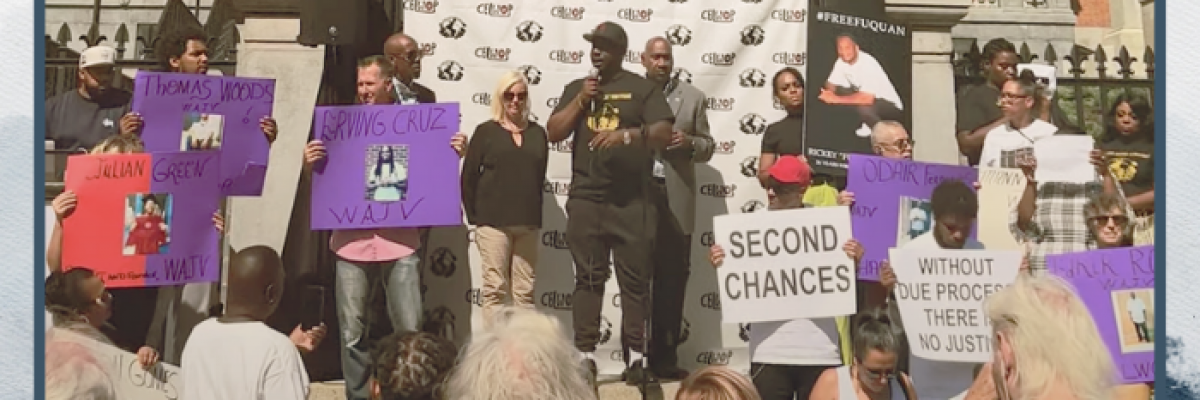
(873, 375)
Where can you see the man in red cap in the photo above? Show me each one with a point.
(787, 357)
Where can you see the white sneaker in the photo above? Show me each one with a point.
(863, 131)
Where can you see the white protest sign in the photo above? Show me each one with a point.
(940, 295)
(1045, 75)
(786, 264)
(130, 381)
(1065, 158)
(999, 191)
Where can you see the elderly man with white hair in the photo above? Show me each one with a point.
(525, 355)
(1031, 360)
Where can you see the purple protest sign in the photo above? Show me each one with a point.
(190, 112)
(1117, 285)
(386, 166)
(193, 181)
(891, 203)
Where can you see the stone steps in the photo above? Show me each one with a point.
(610, 389)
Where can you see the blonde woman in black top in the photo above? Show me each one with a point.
(502, 180)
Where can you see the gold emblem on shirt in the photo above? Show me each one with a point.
(1124, 169)
(607, 118)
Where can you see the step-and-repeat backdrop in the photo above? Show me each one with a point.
(728, 49)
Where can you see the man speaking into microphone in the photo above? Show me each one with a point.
(619, 119)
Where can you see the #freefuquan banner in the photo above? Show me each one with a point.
(386, 166)
(189, 112)
(1117, 285)
(144, 219)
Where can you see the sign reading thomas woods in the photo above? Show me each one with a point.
(386, 166)
(788, 264)
(940, 295)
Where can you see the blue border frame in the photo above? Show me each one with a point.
(1163, 384)
(39, 191)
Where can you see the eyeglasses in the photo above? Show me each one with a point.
(875, 374)
(1012, 96)
(1106, 219)
(509, 96)
(903, 144)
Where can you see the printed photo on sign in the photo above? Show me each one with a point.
(1012, 158)
(387, 173)
(201, 131)
(1134, 312)
(859, 72)
(916, 218)
(147, 224)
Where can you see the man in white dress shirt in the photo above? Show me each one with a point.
(1137, 313)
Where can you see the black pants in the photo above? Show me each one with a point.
(672, 267)
(1142, 333)
(594, 230)
(786, 382)
(881, 110)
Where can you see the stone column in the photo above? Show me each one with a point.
(1148, 22)
(269, 50)
(933, 105)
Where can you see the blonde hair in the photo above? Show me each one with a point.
(73, 372)
(507, 81)
(716, 383)
(121, 144)
(524, 356)
(1035, 313)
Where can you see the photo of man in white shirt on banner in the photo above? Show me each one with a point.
(858, 80)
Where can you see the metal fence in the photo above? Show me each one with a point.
(1089, 80)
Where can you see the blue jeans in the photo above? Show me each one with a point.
(402, 286)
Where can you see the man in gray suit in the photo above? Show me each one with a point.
(675, 189)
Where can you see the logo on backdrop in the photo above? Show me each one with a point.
(633, 57)
(605, 330)
(444, 262)
(744, 332)
(565, 146)
(428, 49)
(452, 28)
(679, 35)
(495, 10)
(714, 357)
(421, 6)
(557, 301)
(450, 70)
(556, 188)
(707, 239)
(718, 190)
(552, 102)
(753, 206)
(790, 58)
(752, 124)
(752, 1)
(440, 321)
(482, 98)
(786, 15)
(555, 240)
(635, 14)
(718, 59)
(720, 103)
(677, 1)
(529, 32)
(721, 16)
(685, 331)
(475, 297)
(725, 147)
(749, 167)
(499, 54)
(752, 78)
(711, 301)
(775, 103)
(567, 13)
(682, 74)
(532, 74)
(567, 56)
(753, 35)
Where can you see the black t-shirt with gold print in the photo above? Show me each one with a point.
(619, 174)
(1131, 163)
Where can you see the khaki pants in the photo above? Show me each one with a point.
(509, 256)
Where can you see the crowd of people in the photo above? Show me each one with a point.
(636, 139)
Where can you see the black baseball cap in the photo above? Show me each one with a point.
(609, 31)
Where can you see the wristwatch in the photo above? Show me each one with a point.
(628, 138)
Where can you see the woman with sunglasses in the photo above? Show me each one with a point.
(502, 180)
(873, 374)
(78, 301)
